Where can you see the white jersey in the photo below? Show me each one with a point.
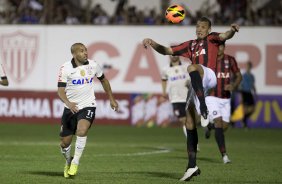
(178, 80)
(2, 71)
(79, 82)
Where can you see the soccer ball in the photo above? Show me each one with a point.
(175, 14)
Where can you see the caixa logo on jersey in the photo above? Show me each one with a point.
(18, 53)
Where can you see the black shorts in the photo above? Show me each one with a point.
(69, 120)
(248, 98)
(179, 109)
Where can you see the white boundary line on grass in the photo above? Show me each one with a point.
(159, 150)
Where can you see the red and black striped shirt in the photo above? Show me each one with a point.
(200, 51)
(225, 69)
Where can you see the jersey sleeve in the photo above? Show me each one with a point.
(234, 65)
(182, 49)
(164, 75)
(214, 37)
(62, 79)
(99, 71)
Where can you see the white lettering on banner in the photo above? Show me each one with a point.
(25, 107)
(104, 110)
(3, 106)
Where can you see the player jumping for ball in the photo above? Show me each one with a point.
(203, 54)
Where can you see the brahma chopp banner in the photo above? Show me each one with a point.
(46, 107)
(32, 56)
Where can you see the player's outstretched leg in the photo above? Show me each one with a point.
(192, 168)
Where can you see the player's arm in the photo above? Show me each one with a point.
(62, 83)
(4, 81)
(254, 88)
(230, 33)
(157, 47)
(164, 85)
(236, 83)
(238, 79)
(237, 75)
(107, 88)
(62, 95)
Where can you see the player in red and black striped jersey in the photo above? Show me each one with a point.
(203, 53)
(226, 68)
(219, 100)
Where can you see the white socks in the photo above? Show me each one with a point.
(79, 147)
(67, 153)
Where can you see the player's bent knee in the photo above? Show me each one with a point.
(66, 141)
(81, 132)
(192, 68)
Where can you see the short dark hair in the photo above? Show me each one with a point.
(205, 19)
(74, 46)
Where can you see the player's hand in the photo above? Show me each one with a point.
(114, 105)
(147, 42)
(73, 107)
(235, 27)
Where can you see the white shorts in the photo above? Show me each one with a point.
(209, 78)
(209, 81)
(218, 107)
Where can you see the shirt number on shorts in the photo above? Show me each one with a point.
(89, 114)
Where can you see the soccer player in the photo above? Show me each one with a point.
(203, 53)
(175, 81)
(248, 91)
(4, 79)
(76, 90)
(219, 100)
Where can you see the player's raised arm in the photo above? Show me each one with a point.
(157, 47)
(230, 33)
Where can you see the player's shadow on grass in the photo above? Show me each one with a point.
(211, 160)
(45, 173)
(160, 174)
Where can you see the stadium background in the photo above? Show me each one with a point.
(32, 55)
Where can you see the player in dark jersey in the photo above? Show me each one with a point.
(203, 53)
(248, 91)
(219, 100)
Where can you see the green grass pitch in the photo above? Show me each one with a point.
(127, 155)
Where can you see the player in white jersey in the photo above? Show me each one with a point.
(76, 90)
(4, 80)
(175, 81)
